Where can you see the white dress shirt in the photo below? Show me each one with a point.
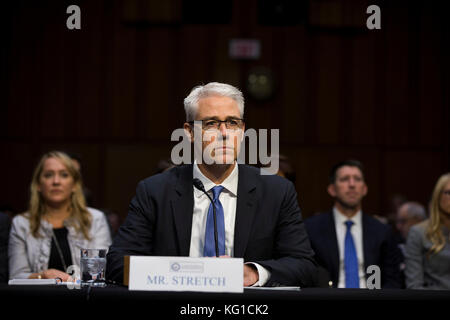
(228, 199)
(356, 231)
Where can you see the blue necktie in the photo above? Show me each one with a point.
(210, 247)
(350, 259)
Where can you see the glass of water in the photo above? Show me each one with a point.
(93, 267)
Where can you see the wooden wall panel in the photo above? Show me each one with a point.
(87, 66)
(412, 174)
(153, 101)
(262, 114)
(125, 166)
(21, 82)
(431, 87)
(196, 60)
(363, 109)
(114, 90)
(295, 91)
(396, 80)
(19, 111)
(328, 68)
(225, 69)
(313, 166)
(53, 60)
(17, 169)
(120, 110)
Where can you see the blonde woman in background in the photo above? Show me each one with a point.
(427, 251)
(46, 240)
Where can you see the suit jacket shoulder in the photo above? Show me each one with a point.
(272, 186)
(159, 183)
(381, 249)
(318, 221)
(374, 224)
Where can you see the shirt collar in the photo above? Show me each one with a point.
(230, 183)
(340, 218)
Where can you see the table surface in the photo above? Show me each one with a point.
(276, 302)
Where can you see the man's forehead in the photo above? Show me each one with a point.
(349, 170)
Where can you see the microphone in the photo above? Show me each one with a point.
(199, 185)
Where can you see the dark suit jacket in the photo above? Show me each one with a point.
(5, 225)
(378, 246)
(268, 227)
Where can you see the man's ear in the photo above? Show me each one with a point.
(331, 190)
(188, 131)
(365, 190)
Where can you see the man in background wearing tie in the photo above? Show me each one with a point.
(346, 241)
(258, 217)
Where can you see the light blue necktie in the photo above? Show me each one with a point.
(350, 259)
(210, 247)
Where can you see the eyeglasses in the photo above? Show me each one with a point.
(213, 124)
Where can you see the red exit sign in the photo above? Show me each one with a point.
(244, 49)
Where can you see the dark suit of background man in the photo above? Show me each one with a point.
(372, 241)
(5, 225)
(261, 217)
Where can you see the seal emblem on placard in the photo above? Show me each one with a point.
(175, 266)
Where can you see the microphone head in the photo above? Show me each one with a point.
(198, 184)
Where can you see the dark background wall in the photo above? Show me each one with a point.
(113, 90)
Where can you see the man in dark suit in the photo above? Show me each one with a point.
(5, 224)
(346, 241)
(258, 216)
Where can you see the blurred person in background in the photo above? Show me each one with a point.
(427, 250)
(409, 214)
(46, 240)
(346, 240)
(114, 220)
(286, 169)
(164, 165)
(395, 202)
(5, 224)
(8, 210)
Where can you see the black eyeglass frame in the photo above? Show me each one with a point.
(218, 123)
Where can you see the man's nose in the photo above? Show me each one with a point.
(223, 129)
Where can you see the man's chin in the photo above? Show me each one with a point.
(224, 158)
(351, 205)
(219, 160)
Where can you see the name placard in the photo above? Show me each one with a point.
(150, 273)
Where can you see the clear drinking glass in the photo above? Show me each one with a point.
(93, 267)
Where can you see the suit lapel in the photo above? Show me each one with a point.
(333, 246)
(366, 240)
(182, 208)
(245, 209)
